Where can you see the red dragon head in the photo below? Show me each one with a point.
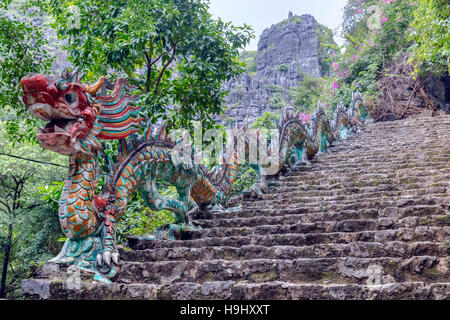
(77, 117)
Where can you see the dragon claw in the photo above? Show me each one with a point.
(115, 258)
(99, 260)
(107, 258)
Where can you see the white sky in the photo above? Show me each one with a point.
(261, 14)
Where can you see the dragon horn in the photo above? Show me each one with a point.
(92, 90)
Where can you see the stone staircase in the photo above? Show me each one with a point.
(368, 220)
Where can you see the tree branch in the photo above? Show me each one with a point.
(158, 80)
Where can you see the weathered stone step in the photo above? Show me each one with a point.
(436, 153)
(382, 143)
(382, 192)
(422, 233)
(357, 148)
(317, 172)
(230, 290)
(332, 183)
(327, 250)
(393, 147)
(362, 191)
(342, 226)
(342, 200)
(368, 209)
(327, 160)
(390, 137)
(317, 270)
(381, 163)
(313, 223)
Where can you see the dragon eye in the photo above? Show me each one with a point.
(70, 98)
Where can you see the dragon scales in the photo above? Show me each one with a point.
(78, 118)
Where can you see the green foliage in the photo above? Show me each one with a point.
(249, 59)
(327, 46)
(247, 174)
(282, 67)
(308, 93)
(277, 101)
(420, 28)
(139, 219)
(35, 226)
(358, 65)
(50, 194)
(431, 33)
(293, 19)
(245, 178)
(22, 51)
(267, 120)
(273, 88)
(356, 15)
(172, 50)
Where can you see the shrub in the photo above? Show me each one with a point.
(431, 34)
(282, 68)
(277, 101)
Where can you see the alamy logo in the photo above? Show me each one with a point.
(375, 273)
(74, 18)
(374, 20)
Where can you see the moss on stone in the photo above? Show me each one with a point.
(264, 276)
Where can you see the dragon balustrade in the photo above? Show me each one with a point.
(78, 118)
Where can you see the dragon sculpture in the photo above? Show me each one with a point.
(78, 118)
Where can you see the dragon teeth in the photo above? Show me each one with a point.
(59, 129)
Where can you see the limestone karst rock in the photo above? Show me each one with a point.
(286, 52)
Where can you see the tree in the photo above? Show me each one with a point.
(308, 93)
(22, 51)
(431, 33)
(356, 15)
(172, 50)
(29, 227)
(327, 47)
(11, 203)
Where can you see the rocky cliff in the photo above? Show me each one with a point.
(286, 52)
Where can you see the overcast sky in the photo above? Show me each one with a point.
(261, 14)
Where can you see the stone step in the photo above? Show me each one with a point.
(316, 270)
(371, 144)
(437, 192)
(371, 210)
(297, 198)
(334, 184)
(382, 163)
(327, 160)
(316, 172)
(436, 205)
(377, 189)
(312, 223)
(230, 290)
(328, 250)
(422, 233)
(337, 183)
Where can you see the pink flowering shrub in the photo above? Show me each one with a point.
(366, 50)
